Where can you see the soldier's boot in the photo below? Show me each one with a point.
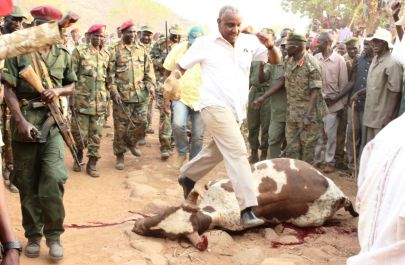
(263, 155)
(119, 163)
(32, 248)
(77, 167)
(91, 167)
(164, 155)
(149, 130)
(254, 156)
(135, 151)
(142, 141)
(55, 249)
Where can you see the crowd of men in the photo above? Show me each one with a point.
(321, 101)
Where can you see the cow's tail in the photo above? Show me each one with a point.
(348, 205)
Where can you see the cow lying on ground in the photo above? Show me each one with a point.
(288, 190)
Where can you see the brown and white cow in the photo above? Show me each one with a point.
(288, 190)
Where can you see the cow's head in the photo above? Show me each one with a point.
(186, 220)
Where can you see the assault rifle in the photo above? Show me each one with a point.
(31, 77)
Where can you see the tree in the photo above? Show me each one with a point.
(365, 12)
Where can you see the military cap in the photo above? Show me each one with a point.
(127, 24)
(6, 6)
(268, 31)
(176, 30)
(146, 28)
(352, 42)
(75, 30)
(283, 41)
(194, 33)
(48, 13)
(296, 37)
(17, 12)
(97, 28)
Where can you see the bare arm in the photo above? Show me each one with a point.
(6, 230)
(50, 95)
(23, 126)
(396, 7)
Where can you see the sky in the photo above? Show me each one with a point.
(258, 13)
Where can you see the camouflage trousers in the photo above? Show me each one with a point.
(88, 134)
(150, 113)
(39, 175)
(165, 127)
(303, 147)
(125, 134)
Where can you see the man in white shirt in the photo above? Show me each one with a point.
(225, 61)
(380, 198)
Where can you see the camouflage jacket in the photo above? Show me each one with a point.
(300, 78)
(28, 40)
(132, 74)
(158, 55)
(91, 68)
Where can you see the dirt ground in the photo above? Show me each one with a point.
(146, 185)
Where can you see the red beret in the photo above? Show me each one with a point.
(126, 24)
(74, 30)
(100, 28)
(6, 6)
(46, 12)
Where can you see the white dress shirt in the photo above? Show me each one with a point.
(225, 70)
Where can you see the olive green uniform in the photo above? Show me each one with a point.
(278, 106)
(132, 77)
(300, 79)
(39, 170)
(258, 120)
(148, 48)
(90, 98)
(158, 55)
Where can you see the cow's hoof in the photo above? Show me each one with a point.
(187, 185)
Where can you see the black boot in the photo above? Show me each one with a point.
(254, 157)
(248, 218)
(263, 155)
(187, 185)
(91, 167)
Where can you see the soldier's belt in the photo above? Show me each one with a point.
(34, 103)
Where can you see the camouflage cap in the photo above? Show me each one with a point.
(352, 42)
(176, 30)
(17, 12)
(146, 28)
(296, 37)
(268, 31)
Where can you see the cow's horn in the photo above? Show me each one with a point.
(200, 243)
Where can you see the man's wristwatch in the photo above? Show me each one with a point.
(11, 245)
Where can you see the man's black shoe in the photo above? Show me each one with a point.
(248, 219)
(187, 185)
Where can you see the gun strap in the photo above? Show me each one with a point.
(43, 72)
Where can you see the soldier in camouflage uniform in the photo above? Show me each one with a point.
(39, 170)
(131, 83)
(90, 62)
(146, 42)
(305, 105)
(158, 54)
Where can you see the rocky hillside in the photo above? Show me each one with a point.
(113, 12)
